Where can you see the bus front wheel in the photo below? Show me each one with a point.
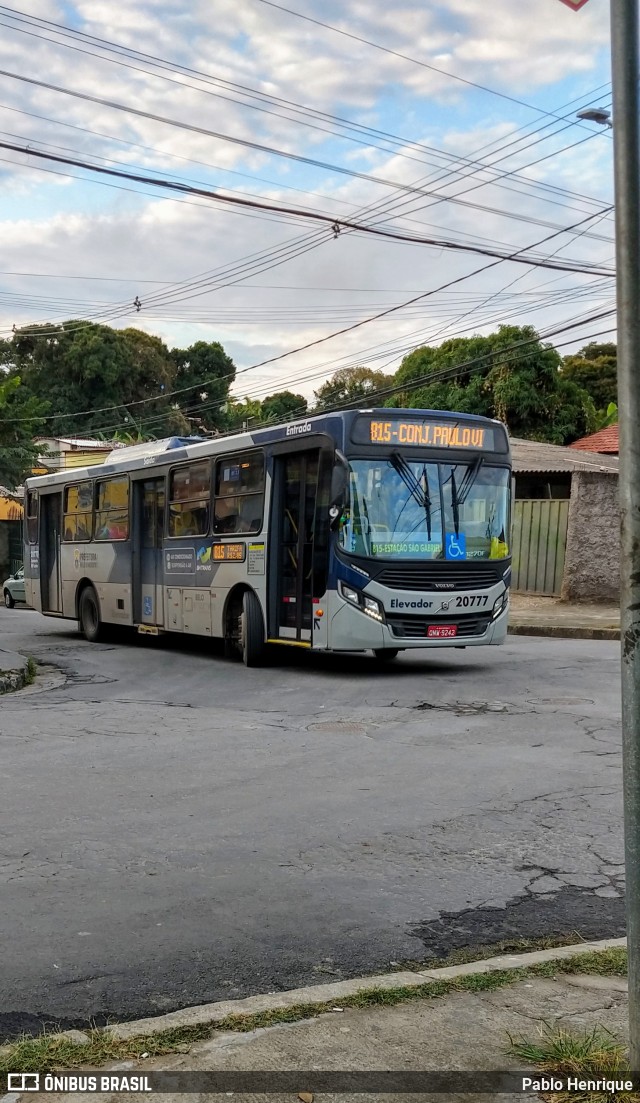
(386, 654)
(251, 630)
(89, 615)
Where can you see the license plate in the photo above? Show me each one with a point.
(442, 631)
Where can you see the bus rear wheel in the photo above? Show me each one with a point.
(89, 616)
(386, 654)
(251, 630)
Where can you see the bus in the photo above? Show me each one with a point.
(378, 530)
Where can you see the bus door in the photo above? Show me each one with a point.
(50, 539)
(299, 551)
(148, 591)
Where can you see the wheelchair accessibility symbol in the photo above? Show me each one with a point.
(455, 546)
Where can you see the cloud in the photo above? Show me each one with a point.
(258, 57)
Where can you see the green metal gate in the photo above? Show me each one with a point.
(15, 546)
(539, 545)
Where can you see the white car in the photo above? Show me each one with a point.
(13, 588)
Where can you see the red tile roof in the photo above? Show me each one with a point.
(605, 441)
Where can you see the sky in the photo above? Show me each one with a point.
(451, 121)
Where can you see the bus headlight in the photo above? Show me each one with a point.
(349, 594)
(372, 607)
(364, 603)
(500, 604)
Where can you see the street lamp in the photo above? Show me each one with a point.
(598, 115)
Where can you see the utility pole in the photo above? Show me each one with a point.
(624, 66)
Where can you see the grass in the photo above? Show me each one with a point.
(592, 1055)
(491, 949)
(53, 1052)
(30, 672)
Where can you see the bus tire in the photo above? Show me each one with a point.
(251, 630)
(89, 616)
(8, 600)
(386, 654)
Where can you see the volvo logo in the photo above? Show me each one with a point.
(445, 585)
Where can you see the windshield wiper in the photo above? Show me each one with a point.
(455, 504)
(419, 493)
(459, 497)
(469, 479)
(368, 532)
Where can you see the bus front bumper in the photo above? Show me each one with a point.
(351, 629)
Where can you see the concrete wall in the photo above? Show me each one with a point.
(592, 562)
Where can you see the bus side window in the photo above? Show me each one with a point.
(189, 496)
(112, 509)
(239, 494)
(78, 512)
(31, 515)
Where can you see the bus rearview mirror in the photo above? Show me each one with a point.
(339, 487)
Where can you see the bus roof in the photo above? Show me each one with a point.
(174, 449)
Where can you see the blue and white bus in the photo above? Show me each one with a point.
(382, 530)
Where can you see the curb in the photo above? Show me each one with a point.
(564, 632)
(325, 993)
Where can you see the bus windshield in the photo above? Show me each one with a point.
(416, 509)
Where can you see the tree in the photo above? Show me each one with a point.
(88, 372)
(20, 419)
(99, 380)
(207, 373)
(283, 406)
(595, 369)
(605, 418)
(510, 375)
(241, 415)
(351, 385)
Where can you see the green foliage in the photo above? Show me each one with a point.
(99, 379)
(243, 414)
(521, 386)
(20, 421)
(283, 406)
(605, 418)
(595, 369)
(350, 385)
(206, 369)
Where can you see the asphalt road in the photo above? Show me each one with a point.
(176, 829)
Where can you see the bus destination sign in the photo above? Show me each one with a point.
(425, 432)
(229, 552)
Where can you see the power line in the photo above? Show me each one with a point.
(445, 374)
(121, 51)
(192, 127)
(406, 57)
(315, 216)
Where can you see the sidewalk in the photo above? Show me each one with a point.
(455, 1019)
(532, 615)
(467, 1029)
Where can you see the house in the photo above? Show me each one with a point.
(606, 442)
(566, 537)
(59, 453)
(11, 511)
